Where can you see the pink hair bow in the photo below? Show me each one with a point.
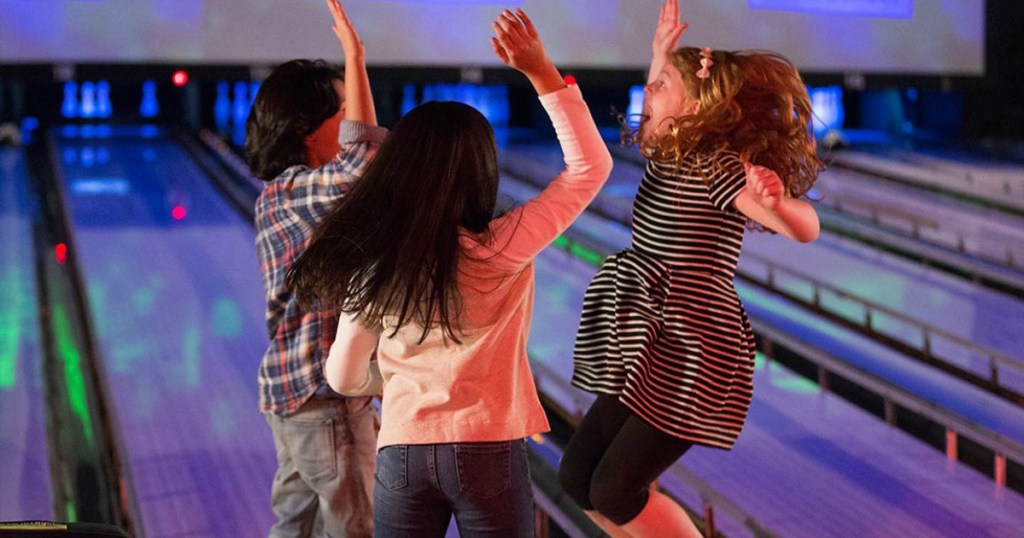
(705, 63)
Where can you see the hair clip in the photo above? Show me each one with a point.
(705, 63)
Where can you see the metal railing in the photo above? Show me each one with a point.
(955, 426)
(875, 212)
(928, 334)
(1009, 255)
(995, 188)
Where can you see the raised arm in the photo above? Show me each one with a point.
(764, 200)
(524, 231)
(665, 37)
(358, 98)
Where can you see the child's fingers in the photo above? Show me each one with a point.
(765, 182)
(336, 10)
(500, 33)
(677, 32)
(530, 28)
(499, 50)
(771, 182)
(502, 36)
(515, 37)
(514, 26)
(755, 178)
(341, 20)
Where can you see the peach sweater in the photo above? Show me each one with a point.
(482, 389)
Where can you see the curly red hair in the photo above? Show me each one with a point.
(753, 103)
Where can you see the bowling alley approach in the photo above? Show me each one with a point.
(551, 268)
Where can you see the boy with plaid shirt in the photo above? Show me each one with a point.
(309, 137)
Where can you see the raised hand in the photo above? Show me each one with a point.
(358, 102)
(343, 28)
(516, 41)
(519, 46)
(765, 186)
(666, 36)
(669, 28)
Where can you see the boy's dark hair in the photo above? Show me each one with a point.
(293, 101)
(392, 246)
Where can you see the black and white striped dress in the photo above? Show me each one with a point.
(662, 326)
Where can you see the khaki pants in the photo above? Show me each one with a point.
(326, 453)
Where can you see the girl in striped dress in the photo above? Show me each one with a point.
(664, 341)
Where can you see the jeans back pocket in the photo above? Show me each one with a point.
(392, 467)
(485, 469)
(313, 451)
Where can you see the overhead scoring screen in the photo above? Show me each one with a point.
(875, 36)
(899, 9)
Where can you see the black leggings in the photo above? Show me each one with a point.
(612, 459)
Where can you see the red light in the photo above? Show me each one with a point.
(180, 78)
(61, 253)
(570, 80)
(178, 212)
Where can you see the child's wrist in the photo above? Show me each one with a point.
(356, 55)
(547, 81)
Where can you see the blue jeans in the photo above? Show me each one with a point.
(325, 454)
(485, 485)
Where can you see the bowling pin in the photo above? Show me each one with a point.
(69, 107)
(149, 107)
(88, 103)
(240, 104)
(222, 106)
(636, 105)
(408, 98)
(104, 108)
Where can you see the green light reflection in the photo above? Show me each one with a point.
(72, 512)
(588, 255)
(144, 300)
(10, 325)
(227, 318)
(190, 372)
(97, 294)
(125, 354)
(74, 379)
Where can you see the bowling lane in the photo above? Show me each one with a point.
(983, 232)
(1000, 184)
(177, 304)
(25, 491)
(968, 311)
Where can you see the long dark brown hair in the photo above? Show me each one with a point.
(391, 247)
(753, 103)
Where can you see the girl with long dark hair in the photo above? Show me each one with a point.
(422, 271)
